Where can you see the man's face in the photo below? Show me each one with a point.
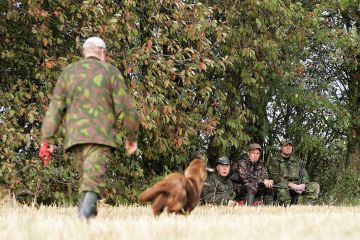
(223, 170)
(254, 155)
(286, 149)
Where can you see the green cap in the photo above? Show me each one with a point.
(223, 160)
(285, 142)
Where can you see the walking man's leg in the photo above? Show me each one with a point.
(92, 159)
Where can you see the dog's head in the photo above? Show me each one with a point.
(197, 170)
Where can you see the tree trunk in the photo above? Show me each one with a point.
(353, 148)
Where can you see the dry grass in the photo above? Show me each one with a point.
(132, 222)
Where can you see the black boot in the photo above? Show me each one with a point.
(87, 205)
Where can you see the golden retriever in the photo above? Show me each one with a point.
(179, 193)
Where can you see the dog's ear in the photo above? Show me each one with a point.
(195, 168)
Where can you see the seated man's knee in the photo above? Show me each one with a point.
(283, 196)
(269, 197)
(252, 189)
(314, 187)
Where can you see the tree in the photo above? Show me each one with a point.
(165, 68)
(266, 48)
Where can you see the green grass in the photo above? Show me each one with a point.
(204, 223)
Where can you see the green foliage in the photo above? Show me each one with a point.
(346, 191)
(204, 75)
(265, 48)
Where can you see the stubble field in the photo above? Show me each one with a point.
(205, 223)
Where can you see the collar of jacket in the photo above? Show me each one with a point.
(246, 158)
(222, 178)
(93, 57)
(291, 158)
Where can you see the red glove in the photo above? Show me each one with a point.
(44, 152)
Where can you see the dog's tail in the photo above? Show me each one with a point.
(151, 193)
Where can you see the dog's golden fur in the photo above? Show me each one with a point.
(177, 192)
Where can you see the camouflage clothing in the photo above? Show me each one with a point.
(92, 161)
(247, 176)
(93, 95)
(219, 191)
(284, 170)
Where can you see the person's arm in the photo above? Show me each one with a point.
(231, 196)
(262, 174)
(209, 190)
(264, 178)
(222, 195)
(304, 177)
(244, 173)
(55, 112)
(274, 172)
(234, 177)
(298, 178)
(125, 112)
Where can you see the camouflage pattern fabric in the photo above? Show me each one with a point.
(309, 197)
(219, 191)
(91, 95)
(247, 176)
(91, 160)
(284, 170)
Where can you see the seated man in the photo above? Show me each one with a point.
(250, 176)
(219, 189)
(289, 174)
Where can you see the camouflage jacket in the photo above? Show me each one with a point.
(219, 191)
(245, 172)
(91, 96)
(283, 170)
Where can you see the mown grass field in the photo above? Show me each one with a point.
(135, 222)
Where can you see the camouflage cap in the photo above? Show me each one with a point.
(223, 160)
(92, 42)
(254, 146)
(285, 142)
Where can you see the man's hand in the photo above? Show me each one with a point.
(130, 147)
(268, 183)
(45, 152)
(297, 188)
(292, 186)
(300, 188)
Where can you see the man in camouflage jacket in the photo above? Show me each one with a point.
(90, 96)
(250, 176)
(219, 189)
(290, 174)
